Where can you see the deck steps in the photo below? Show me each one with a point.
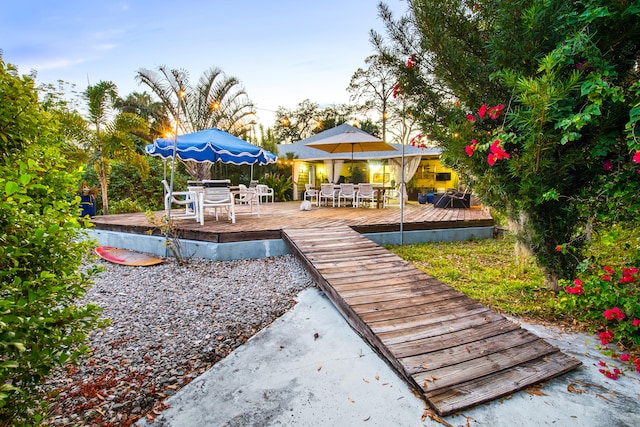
(455, 351)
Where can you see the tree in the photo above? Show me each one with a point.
(295, 124)
(560, 142)
(217, 100)
(143, 105)
(374, 86)
(114, 135)
(308, 119)
(41, 249)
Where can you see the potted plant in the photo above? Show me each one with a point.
(422, 196)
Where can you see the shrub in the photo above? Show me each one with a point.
(280, 185)
(41, 250)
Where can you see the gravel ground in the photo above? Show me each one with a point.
(169, 324)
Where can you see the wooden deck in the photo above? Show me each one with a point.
(452, 349)
(276, 216)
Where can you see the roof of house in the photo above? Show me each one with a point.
(301, 151)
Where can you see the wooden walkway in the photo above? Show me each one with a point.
(456, 352)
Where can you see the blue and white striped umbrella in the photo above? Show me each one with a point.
(211, 145)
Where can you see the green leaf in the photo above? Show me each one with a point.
(25, 179)
(11, 187)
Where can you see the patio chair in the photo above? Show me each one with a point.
(392, 198)
(365, 194)
(247, 197)
(347, 192)
(265, 193)
(216, 195)
(186, 199)
(244, 194)
(454, 199)
(327, 192)
(312, 194)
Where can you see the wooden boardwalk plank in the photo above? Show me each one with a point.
(455, 351)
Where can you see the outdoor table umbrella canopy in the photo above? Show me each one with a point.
(210, 145)
(350, 142)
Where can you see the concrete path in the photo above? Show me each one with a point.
(309, 368)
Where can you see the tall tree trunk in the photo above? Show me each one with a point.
(103, 186)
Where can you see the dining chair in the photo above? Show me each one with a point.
(247, 197)
(217, 195)
(327, 192)
(347, 192)
(265, 193)
(365, 193)
(392, 197)
(311, 193)
(186, 199)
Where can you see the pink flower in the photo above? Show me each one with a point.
(614, 313)
(494, 112)
(411, 63)
(607, 165)
(559, 248)
(606, 277)
(636, 156)
(606, 337)
(469, 149)
(608, 269)
(471, 118)
(497, 153)
(576, 289)
(396, 90)
(482, 111)
(636, 322)
(624, 357)
(626, 279)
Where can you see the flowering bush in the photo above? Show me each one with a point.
(496, 152)
(609, 299)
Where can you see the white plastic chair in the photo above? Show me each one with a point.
(365, 193)
(327, 192)
(216, 195)
(311, 194)
(186, 199)
(247, 197)
(265, 193)
(392, 198)
(244, 194)
(347, 192)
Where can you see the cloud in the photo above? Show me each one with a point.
(54, 63)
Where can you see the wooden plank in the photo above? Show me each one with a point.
(499, 384)
(443, 324)
(378, 305)
(412, 350)
(447, 353)
(434, 379)
(446, 312)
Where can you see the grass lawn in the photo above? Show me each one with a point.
(488, 271)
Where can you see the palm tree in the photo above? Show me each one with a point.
(114, 135)
(145, 106)
(217, 100)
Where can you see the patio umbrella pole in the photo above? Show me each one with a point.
(173, 173)
(402, 193)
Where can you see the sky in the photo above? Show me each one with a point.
(282, 51)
